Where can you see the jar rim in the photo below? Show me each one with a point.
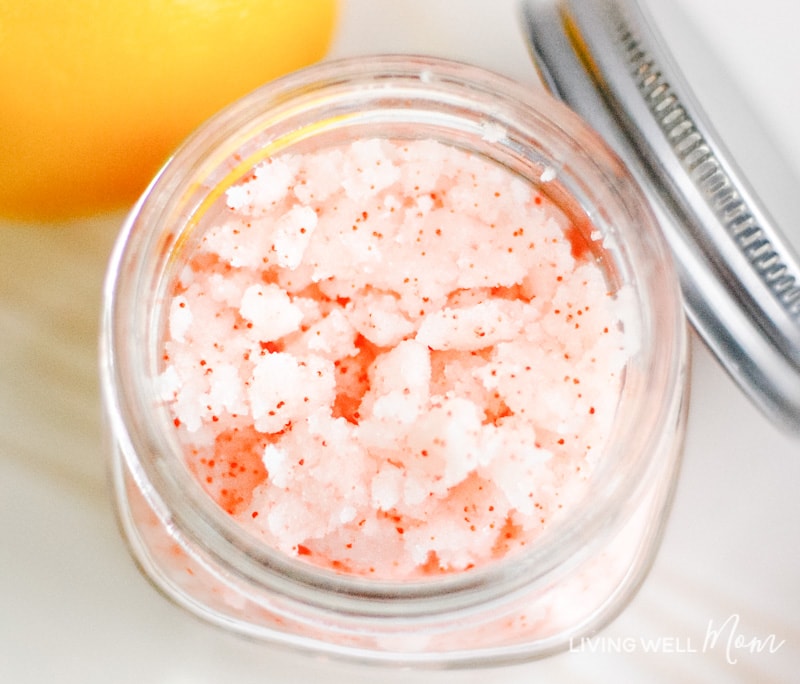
(126, 349)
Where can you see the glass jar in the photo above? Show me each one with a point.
(578, 573)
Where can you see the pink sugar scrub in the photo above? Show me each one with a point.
(394, 359)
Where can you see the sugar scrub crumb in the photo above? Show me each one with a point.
(391, 359)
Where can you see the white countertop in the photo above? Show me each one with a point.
(74, 608)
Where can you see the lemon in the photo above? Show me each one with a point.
(96, 94)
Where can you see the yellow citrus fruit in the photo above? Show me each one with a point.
(97, 93)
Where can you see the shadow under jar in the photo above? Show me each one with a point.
(394, 368)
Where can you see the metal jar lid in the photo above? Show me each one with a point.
(739, 276)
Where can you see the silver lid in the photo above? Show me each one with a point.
(739, 276)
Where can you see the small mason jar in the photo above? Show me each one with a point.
(584, 568)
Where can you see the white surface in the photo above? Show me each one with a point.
(73, 607)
